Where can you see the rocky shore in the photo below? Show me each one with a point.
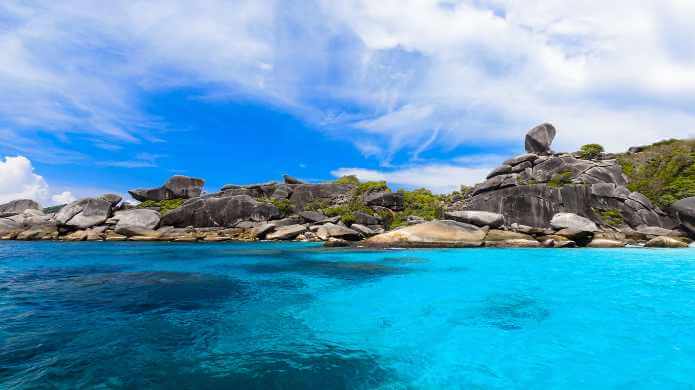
(537, 199)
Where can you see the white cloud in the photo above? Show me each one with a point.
(439, 178)
(63, 198)
(19, 181)
(415, 74)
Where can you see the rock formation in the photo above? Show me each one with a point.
(18, 206)
(177, 187)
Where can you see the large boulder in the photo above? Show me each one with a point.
(221, 210)
(363, 218)
(572, 221)
(112, 198)
(177, 187)
(331, 230)
(431, 234)
(140, 218)
(18, 206)
(84, 213)
(291, 180)
(665, 242)
(32, 218)
(478, 218)
(303, 194)
(539, 139)
(389, 200)
(685, 212)
(286, 232)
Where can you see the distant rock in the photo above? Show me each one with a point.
(18, 206)
(572, 221)
(513, 243)
(312, 216)
(658, 231)
(539, 139)
(139, 218)
(303, 194)
(84, 213)
(478, 218)
(505, 235)
(363, 218)
(286, 232)
(330, 230)
(604, 243)
(363, 230)
(291, 180)
(431, 234)
(177, 187)
(389, 200)
(220, 211)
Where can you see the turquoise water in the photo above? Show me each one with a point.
(284, 316)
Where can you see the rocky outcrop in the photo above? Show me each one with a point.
(539, 139)
(429, 234)
(665, 242)
(18, 206)
(220, 210)
(477, 218)
(685, 212)
(303, 194)
(291, 180)
(286, 232)
(331, 230)
(177, 187)
(389, 200)
(112, 198)
(572, 221)
(136, 219)
(84, 213)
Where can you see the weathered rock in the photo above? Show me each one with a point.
(177, 187)
(329, 230)
(431, 234)
(539, 139)
(336, 243)
(501, 170)
(513, 243)
(363, 218)
(478, 218)
(657, 231)
(223, 211)
(363, 230)
(604, 243)
(84, 213)
(291, 180)
(18, 206)
(111, 198)
(303, 194)
(581, 237)
(130, 230)
(505, 235)
(572, 221)
(286, 232)
(685, 212)
(263, 229)
(528, 157)
(390, 200)
(283, 191)
(31, 218)
(312, 216)
(665, 242)
(414, 220)
(137, 218)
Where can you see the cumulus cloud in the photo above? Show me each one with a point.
(19, 181)
(439, 178)
(390, 75)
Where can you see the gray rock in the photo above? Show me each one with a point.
(363, 230)
(291, 180)
(84, 213)
(33, 218)
(528, 157)
(572, 221)
(283, 191)
(539, 139)
(330, 230)
(605, 243)
(312, 216)
(177, 187)
(665, 242)
(478, 218)
(223, 211)
(363, 218)
(262, 230)
(111, 198)
(390, 200)
(685, 212)
(501, 170)
(18, 206)
(286, 232)
(327, 192)
(658, 231)
(137, 218)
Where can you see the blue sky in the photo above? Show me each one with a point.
(420, 93)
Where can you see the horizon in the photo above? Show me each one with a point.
(419, 94)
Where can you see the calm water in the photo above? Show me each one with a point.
(267, 315)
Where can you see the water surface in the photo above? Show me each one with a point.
(288, 315)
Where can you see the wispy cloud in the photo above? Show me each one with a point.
(141, 160)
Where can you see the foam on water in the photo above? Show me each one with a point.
(285, 316)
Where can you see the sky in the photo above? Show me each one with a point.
(104, 97)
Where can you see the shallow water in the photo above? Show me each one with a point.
(286, 315)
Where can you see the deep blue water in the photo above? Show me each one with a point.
(285, 315)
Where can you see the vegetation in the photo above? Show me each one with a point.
(560, 179)
(53, 209)
(611, 217)
(284, 205)
(591, 151)
(165, 206)
(664, 172)
(348, 179)
(421, 203)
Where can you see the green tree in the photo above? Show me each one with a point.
(591, 151)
